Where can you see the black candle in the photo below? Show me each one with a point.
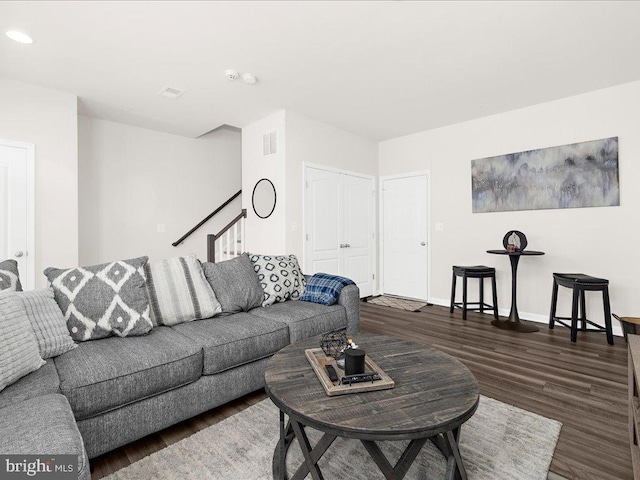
(353, 361)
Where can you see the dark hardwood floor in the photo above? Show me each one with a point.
(583, 385)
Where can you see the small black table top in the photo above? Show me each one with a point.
(502, 251)
(433, 393)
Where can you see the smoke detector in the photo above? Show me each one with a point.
(171, 92)
(231, 75)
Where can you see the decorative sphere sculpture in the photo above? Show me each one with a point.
(333, 343)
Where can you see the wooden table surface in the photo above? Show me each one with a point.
(434, 392)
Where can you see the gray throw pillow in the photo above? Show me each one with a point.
(235, 284)
(179, 292)
(103, 300)
(9, 276)
(19, 354)
(47, 322)
(279, 276)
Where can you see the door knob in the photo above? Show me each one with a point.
(423, 243)
(347, 245)
(19, 254)
(342, 245)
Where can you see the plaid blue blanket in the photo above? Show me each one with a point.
(324, 288)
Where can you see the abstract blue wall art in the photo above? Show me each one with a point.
(569, 176)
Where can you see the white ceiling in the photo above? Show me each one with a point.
(378, 69)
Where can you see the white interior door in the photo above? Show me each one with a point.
(323, 216)
(405, 236)
(357, 227)
(16, 216)
(339, 226)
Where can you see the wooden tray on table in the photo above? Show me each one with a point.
(319, 360)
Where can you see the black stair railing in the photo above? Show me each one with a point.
(206, 219)
(211, 239)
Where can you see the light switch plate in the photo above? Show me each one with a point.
(439, 227)
(162, 228)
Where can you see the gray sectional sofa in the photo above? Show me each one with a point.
(109, 392)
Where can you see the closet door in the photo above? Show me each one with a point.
(339, 226)
(357, 232)
(323, 219)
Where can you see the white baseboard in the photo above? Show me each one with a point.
(533, 317)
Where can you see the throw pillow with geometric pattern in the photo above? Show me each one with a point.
(280, 277)
(103, 300)
(9, 276)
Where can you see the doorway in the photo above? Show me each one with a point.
(405, 235)
(17, 218)
(340, 225)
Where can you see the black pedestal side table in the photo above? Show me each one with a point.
(513, 322)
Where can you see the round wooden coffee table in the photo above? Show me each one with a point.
(434, 395)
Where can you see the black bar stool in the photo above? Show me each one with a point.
(480, 272)
(581, 283)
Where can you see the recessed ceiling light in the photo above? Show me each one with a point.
(19, 37)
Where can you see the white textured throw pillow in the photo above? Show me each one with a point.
(280, 277)
(47, 322)
(179, 291)
(19, 354)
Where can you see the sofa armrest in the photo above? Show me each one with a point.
(350, 299)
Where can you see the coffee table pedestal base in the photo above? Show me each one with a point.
(447, 443)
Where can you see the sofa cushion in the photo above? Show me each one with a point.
(19, 354)
(235, 284)
(103, 300)
(47, 322)
(304, 319)
(280, 277)
(42, 426)
(179, 291)
(234, 340)
(102, 375)
(41, 382)
(9, 276)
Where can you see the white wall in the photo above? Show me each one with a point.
(132, 179)
(300, 140)
(48, 119)
(310, 141)
(264, 235)
(595, 241)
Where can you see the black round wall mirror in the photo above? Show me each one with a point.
(263, 198)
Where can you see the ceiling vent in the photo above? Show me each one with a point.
(269, 143)
(171, 92)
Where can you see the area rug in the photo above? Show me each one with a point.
(500, 442)
(397, 302)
